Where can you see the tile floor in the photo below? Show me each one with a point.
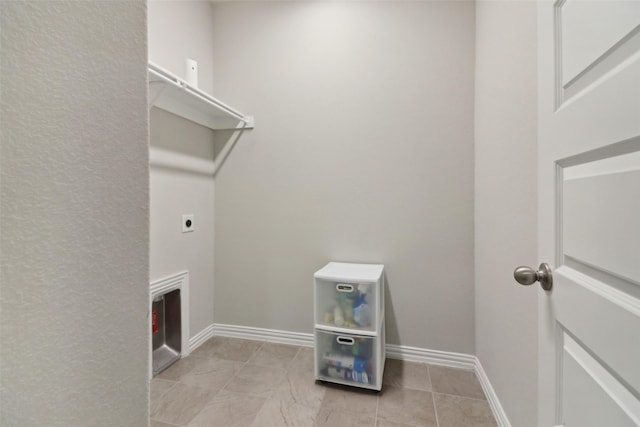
(231, 382)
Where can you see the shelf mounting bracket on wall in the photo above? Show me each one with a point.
(170, 93)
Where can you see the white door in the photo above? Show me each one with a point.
(589, 212)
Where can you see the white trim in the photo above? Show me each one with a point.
(492, 398)
(200, 338)
(402, 352)
(261, 334)
(433, 357)
(162, 286)
(602, 289)
(627, 162)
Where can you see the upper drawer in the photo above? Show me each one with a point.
(349, 305)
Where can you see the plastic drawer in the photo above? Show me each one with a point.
(347, 305)
(348, 359)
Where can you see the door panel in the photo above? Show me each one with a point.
(587, 35)
(592, 395)
(594, 313)
(589, 212)
(600, 212)
(588, 45)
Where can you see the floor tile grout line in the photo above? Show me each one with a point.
(164, 422)
(244, 365)
(203, 408)
(270, 365)
(254, 352)
(169, 424)
(167, 390)
(450, 394)
(435, 408)
(225, 384)
(377, 406)
(297, 354)
(433, 396)
(462, 397)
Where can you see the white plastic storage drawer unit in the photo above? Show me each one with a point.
(349, 324)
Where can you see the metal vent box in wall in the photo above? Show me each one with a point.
(166, 330)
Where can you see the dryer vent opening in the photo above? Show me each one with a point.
(166, 330)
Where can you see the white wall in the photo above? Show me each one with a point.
(178, 191)
(179, 30)
(74, 195)
(505, 210)
(362, 152)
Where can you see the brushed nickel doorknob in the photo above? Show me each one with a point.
(528, 276)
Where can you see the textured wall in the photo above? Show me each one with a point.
(506, 236)
(362, 152)
(75, 230)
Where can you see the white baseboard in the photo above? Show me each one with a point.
(492, 397)
(200, 338)
(434, 357)
(401, 352)
(260, 334)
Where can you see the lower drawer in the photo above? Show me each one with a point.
(348, 359)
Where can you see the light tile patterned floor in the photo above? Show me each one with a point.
(230, 382)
